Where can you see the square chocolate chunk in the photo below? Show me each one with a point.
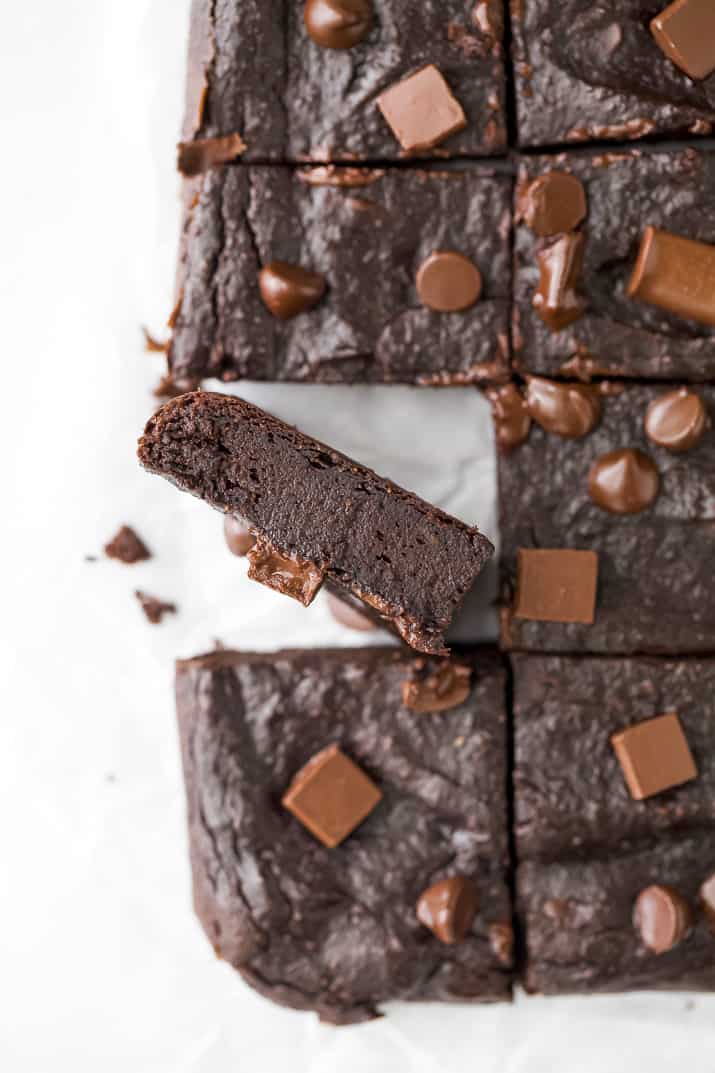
(654, 755)
(336, 930)
(312, 276)
(588, 72)
(331, 796)
(297, 83)
(646, 510)
(606, 319)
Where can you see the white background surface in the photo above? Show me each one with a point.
(102, 966)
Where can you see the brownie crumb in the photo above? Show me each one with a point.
(167, 389)
(154, 608)
(127, 547)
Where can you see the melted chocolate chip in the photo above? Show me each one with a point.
(448, 282)
(448, 909)
(510, 414)
(556, 300)
(553, 203)
(290, 576)
(338, 24)
(288, 290)
(624, 481)
(448, 687)
(238, 538)
(662, 918)
(569, 410)
(677, 420)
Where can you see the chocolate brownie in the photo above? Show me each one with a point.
(588, 71)
(613, 515)
(336, 930)
(580, 307)
(332, 275)
(307, 81)
(318, 515)
(578, 920)
(570, 795)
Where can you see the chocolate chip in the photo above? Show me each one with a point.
(510, 415)
(293, 577)
(675, 274)
(624, 481)
(421, 110)
(445, 688)
(557, 301)
(197, 157)
(501, 940)
(553, 203)
(331, 796)
(654, 756)
(685, 32)
(707, 898)
(662, 918)
(288, 290)
(239, 539)
(677, 420)
(448, 909)
(127, 547)
(569, 410)
(556, 585)
(349, 616)
(448, 282)
(338, 24)
(154, 608)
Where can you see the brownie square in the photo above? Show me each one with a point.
(655, 567)
(588, 71)
(255, 70)
(318, 516)
(366, 233)
(617, 335)
(570, 795)
(577, 920)
(336, 930)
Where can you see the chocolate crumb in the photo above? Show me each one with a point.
(127, 547)
(154, 608)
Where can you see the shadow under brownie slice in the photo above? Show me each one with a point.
(336, 930)
(318, 516)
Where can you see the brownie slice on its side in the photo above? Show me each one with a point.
(336, 930)
(296, 84)
(615, 890)
(318, 516)
(364, 235)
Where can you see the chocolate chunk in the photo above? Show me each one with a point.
(676, 274)
(569, 410)
(127, 547)
(685, 32)
(152, 345)
(677, 420)
(447, 687)
(553, 203)
(288, 290)
(662, 918)
(154, 608)
(556, 300)
(556, 585)
(289, 576)
(349, 616)
(654, 755)
(239, 539)
(331, 796)
(624, 481)
(501, 940)
(421, 110)
(707, 898)
(197, 157)
(448, 909)
(510, 414)
(448, 282)
(338, 24)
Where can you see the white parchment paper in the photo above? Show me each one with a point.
(102, 965)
